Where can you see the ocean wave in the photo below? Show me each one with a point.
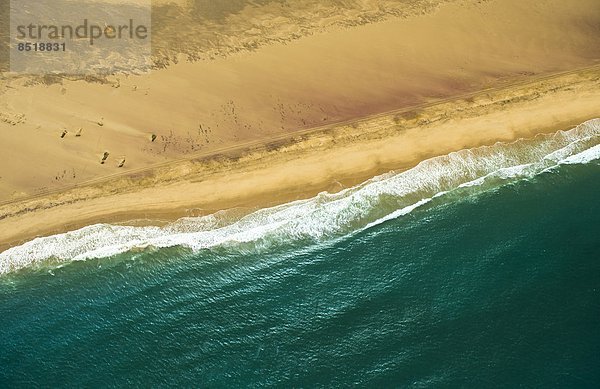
(328, 215)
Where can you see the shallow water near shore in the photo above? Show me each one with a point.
(476, 269)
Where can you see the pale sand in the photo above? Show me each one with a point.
(272, 94)
(296, 168)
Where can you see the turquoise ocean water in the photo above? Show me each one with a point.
(476, 269)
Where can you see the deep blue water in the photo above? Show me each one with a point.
(492, 289)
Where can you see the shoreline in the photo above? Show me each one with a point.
(300, 165)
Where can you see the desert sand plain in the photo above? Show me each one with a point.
(259, 103)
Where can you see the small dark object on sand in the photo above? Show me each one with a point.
(78, 133)
(122, 162)
(153, 137)
(64, 133)
(104, 157)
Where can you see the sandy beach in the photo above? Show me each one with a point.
(262, 122)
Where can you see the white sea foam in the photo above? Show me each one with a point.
(586, 156)
(325, 216)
